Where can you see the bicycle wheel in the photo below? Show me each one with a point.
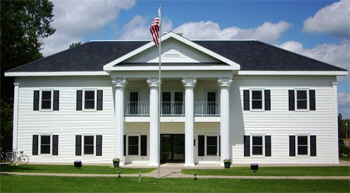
(24, 159)
(9, 157)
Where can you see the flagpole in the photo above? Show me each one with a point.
(160, 83)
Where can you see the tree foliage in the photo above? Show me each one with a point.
(73, 45)
(23, 26)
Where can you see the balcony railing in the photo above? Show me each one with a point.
(174, 109)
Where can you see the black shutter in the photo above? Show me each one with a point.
(200, 145)
(35, 145)
(100, 100)
(246, 100)
(98, 145)
(56, 100)
(143, 145)
(124, 145)
(79, 100)
(78, 145)
(291, 145)
(291, 100)
(312, 98)
(267, 145)
(246, 145)
(219, 145)
(55, 145)
(267, 100)
(36, 101)
(313, 145)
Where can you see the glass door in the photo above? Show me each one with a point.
(172, 148)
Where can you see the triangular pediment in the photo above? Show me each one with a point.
(175, 50)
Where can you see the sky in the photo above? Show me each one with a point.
(319, 29)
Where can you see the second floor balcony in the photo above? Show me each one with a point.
(172, 109)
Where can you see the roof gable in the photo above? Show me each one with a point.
(175, 49)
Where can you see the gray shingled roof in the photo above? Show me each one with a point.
(251, 55)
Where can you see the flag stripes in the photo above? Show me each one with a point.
(155, 31)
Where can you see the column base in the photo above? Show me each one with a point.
(189, 165)
(153, 164)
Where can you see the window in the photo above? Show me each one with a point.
(133, 147)
(302, 99)
(257, 145)
(46, 100)
(178, 106)
(89, 100)
(212, 145)
(172, 103)
(166, 103)
(256, 100)
(134, 103)
(45, 144)
(88, 145)
(302, 145)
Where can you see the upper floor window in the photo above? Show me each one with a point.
(172, 103)
(256, 99)
(302, 99)
(46, 100)
(89, 100)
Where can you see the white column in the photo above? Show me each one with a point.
(15, 117)
(119, 84)
(154, 119)
(189, 84)
(335, 125)
(225, 84)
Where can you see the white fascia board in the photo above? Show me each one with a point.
(174, 68)
(110, 65)
(78, 73)
(310, 73)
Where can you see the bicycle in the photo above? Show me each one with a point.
(24, 159)
(3, 156)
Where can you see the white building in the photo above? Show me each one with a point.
(238, 99)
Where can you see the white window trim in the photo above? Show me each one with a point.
(95, 100)
(297, 144)
(40, 100)
(263, 145)
(83, 145)
(262, 98)
(39, 144)
(217, 145)
(127, 144)
(296, 99)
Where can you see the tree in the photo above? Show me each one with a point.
(23, 26)
(73, 45)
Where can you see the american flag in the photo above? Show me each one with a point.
(155, 31)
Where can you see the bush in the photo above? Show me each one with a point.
(343, 150)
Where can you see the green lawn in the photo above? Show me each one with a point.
(274, 171)
(71, 169)
(124, 184)
(344, 158)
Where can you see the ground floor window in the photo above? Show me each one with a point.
(133, 145)
(302, 145)
(88, 145)
(257, 145)
(212, 145)
(45, 144)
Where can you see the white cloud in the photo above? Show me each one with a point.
(267, 32)
(344, 104)
(333, 20)
(73, 19)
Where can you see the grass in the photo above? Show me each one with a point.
(71, 169)
(91, 184)
(274, 171)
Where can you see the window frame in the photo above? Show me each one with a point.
(40, 144)
(134, 111)
(296, 99)
(262, 145)
(83, 145)
(138, 145)
(308, 145)
(95, 100)
(41, 100)
(262, 99)
(206, 144)
(209, 107)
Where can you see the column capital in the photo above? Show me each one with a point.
(16, 84)
(335, 83)
(224, 81)
(119, 82)
(189, 81)
(153, 82)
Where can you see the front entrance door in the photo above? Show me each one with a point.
(172, 148)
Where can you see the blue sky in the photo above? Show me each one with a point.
(317, 29)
